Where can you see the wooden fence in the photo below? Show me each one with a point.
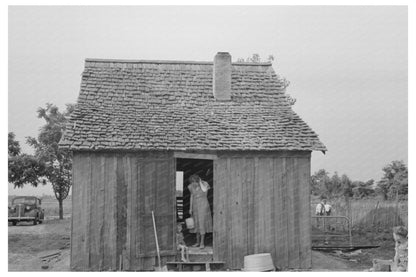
(370, 214)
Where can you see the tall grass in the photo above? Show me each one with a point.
(51, 207)
(370, 214)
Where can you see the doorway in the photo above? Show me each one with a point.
(185, 167)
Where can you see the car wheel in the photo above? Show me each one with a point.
(40, 221)
(14, 223)
(35, 222)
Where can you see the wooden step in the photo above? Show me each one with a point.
(195, 266)
(198, 255)
(197, 258)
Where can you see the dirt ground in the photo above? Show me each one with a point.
(29, 243)
(361, 259)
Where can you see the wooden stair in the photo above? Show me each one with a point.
(199, 260)
(195, 266)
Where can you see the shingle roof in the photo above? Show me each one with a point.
(169, 105)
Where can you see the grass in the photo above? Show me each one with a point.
(52, 207)
(370, 213)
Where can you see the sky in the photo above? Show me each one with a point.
(347, 65)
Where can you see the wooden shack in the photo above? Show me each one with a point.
(137, 122)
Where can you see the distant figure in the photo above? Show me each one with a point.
(320, 210)
(328, 209)
(199, 209)
(180, 243)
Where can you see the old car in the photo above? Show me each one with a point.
(26, 208)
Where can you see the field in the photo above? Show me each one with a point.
(372, 223)
(51, 206)
(369, 214)
(28, 244)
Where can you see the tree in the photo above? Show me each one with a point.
(22, 168)
(56, 163)
(363, 189)
(346, 186)
(394, 183)
(330, 187)
(335, 188)
(25, 169)
(14, 146)
(320, 181)
(255, 58)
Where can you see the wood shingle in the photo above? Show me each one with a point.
(169, 105)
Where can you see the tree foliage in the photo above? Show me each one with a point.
(363, 189)
(320, 181)
(394, 182)
(324, 185)
(14, 146)
(346, 185)
(23, 168)
(255, 58)
(57, 162)
(49, 162)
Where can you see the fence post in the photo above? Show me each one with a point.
(396, 218)
(349, 212)
(375, 214)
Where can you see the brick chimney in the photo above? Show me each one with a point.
(222, 76)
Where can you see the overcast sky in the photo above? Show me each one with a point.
(347, 66)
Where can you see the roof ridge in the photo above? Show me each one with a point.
(169, 106)
(96, 60)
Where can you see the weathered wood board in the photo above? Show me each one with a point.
(261, 204)
(113, 196)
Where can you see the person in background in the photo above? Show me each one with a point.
(328, 208)
(320, 210)
(199, 209)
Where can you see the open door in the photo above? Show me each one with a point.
(155, 192)
(185, 167)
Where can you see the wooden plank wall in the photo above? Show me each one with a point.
(113, 196)
(94, 209)
(155, 191)
(261, 204)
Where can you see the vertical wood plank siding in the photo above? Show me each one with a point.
(304, 216)
(113, 196)
(220, 204)
(261, 204)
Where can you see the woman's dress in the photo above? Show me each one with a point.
(201, 211)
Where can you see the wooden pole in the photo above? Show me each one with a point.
(396, 218)
(375, 214)
(349, 211)
(157, 242)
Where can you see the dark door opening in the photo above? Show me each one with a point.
(184, 169)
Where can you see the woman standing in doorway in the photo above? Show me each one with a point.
(199, 209)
